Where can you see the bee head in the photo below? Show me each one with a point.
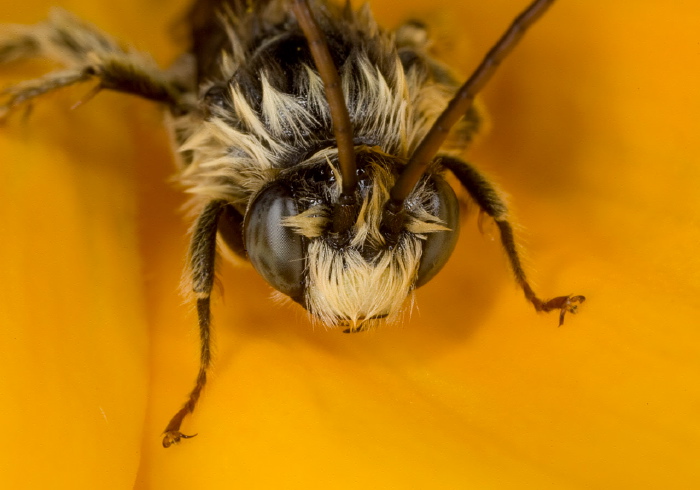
(349, 234)
(362, 270)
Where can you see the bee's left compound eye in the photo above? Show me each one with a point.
(438, 247)
(276, 251)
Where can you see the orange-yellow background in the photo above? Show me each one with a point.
(595, 136)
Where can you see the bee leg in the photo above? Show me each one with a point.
(86, 54)
(202, 258)
(487, 198)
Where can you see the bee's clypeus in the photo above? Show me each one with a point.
(315, 142)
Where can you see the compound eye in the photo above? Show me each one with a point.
(439, 245)
(275, 251)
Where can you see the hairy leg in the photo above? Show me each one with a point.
(202, 266)
(487, 198)
(86, 54)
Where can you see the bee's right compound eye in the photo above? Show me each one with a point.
(275, 250)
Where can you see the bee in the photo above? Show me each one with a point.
(315, 144)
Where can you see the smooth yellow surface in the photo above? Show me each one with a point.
(594, 136)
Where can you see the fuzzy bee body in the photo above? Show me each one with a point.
(261, 149)
(263, 118)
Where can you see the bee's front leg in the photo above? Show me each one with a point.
(489, 200)
(202, 267)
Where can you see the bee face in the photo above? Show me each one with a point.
(364, 273)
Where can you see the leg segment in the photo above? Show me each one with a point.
(202, 264)
(488, 199)
(86, 53)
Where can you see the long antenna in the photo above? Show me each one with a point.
(342, 127)
(462, 101)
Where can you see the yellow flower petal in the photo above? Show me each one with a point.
(72, 322)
